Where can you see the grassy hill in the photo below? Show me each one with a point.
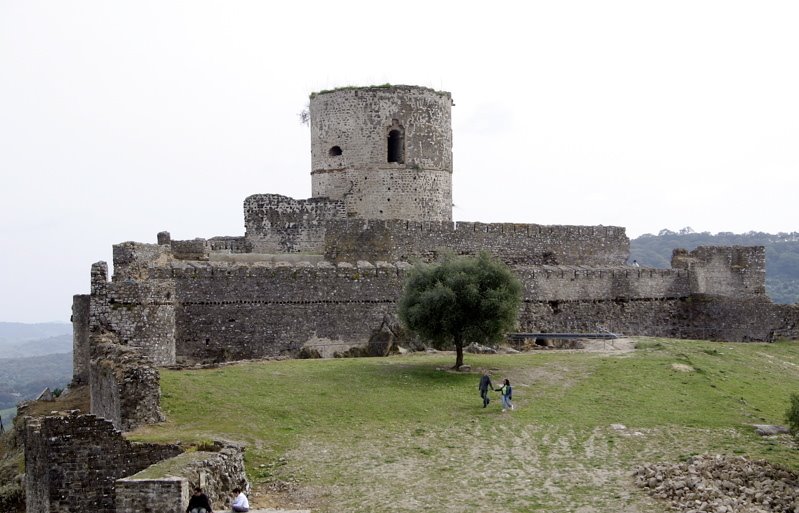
(405, 434)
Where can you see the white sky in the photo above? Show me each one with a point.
(122, 119)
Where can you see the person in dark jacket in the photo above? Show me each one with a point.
(199, 502)
(485, 386)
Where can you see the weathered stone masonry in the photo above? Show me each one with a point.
(72, 462)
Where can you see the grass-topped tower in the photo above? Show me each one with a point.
(385, 151)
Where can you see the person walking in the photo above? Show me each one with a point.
(484, 386)
(506, 391)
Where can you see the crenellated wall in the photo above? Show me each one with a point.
(514, 244)
(222, 308)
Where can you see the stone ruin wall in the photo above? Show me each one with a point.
(81, 305)
(72, 462)
(732, 271)
(167, 486)
(279, 224)
(139, 310)
(125, 386)
(357, 122)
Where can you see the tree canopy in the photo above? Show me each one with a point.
(460, 300)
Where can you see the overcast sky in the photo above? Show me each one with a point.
(122, 119)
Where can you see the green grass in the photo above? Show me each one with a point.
(405, 434)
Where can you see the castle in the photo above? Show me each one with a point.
(323, 275)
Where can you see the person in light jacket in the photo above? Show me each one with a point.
(240, 502)
(506, 391)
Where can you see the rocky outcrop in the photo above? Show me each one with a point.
(722, 484)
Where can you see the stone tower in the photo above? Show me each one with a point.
(385, 151)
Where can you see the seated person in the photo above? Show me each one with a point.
(199, 502)
(240, 502)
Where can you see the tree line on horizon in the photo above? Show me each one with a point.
(782, 254)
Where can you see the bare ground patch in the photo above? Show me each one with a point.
(490, 464)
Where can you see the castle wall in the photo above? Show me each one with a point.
(279, 224)
(735, 271)
(124, 385)
(131, 259)
(514, 244)
(140, 312)
(351, 160)
(228, 312)
(81, 305)
(576, 283)
(72, 462)
(237, 311)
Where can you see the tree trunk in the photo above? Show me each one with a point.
(458, 352)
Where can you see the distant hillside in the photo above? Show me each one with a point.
(20, 332)
(782, 254)
(18, 340)
(25, 378)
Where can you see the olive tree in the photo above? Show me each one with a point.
(460, 300)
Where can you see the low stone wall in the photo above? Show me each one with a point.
(164, 495)
(73, 460)
(166, 486)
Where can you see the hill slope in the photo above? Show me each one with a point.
(18, 340)
(25, 378)
(404, 434)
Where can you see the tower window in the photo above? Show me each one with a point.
(396, 147)
(335, 151)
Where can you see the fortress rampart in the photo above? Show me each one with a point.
(215, 310)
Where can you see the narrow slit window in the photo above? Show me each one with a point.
(396, 147)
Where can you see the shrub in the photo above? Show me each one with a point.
(792, 415)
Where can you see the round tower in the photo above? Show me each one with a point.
(385, 151)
